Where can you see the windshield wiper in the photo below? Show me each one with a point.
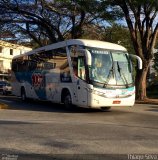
(111, 71)
(122, 75)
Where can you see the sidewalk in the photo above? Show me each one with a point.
(148, 101)
(3, 106)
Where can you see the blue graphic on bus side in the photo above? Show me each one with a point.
(36, 80)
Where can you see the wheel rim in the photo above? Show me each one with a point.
(67, 101)
(23, 96)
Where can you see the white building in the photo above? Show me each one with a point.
(152, 70)
(152, 74)
(7, 52)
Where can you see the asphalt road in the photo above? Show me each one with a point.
(41, 130)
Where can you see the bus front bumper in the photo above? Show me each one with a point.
(96, 101)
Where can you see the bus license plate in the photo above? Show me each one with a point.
(116, 102)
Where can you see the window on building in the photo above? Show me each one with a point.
(1, 49)
(11, 51)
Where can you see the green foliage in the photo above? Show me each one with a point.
(119, 34)
(47, 22)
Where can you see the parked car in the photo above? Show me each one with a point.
(5, 87)
(2, 83)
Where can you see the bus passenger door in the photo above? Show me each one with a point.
(81, 85)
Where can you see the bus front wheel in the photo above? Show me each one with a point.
(104, 109)
(67, 100)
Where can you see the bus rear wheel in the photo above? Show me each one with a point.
(67, 100)
(23, 94)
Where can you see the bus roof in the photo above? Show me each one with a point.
(96, 43)
(83, 42)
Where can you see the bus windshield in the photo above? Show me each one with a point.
(110, 69)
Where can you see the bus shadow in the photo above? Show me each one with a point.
(45, 106)
(153, 108)
(14, 103)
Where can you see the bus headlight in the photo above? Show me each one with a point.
(99, 93)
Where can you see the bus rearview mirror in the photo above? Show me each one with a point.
(87, 54)
(88, 58)
(140, 64)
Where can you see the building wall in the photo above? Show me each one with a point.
(7, 52)
(152, 73)
(151, 69)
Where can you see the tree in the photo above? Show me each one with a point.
(119, 34)
(140, 16)
(51, 21)
(32, 19)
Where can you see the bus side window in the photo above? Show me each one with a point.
(14, 66)
(32, 65)
(23, 66)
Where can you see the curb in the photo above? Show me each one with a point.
(3, 106)
(148, 101)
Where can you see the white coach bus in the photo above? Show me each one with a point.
(85, 73)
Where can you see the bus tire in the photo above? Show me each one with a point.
(67, 100)
(4, 93)
(23, 94)
(104, 109)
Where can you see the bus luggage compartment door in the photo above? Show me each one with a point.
(82, 93)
